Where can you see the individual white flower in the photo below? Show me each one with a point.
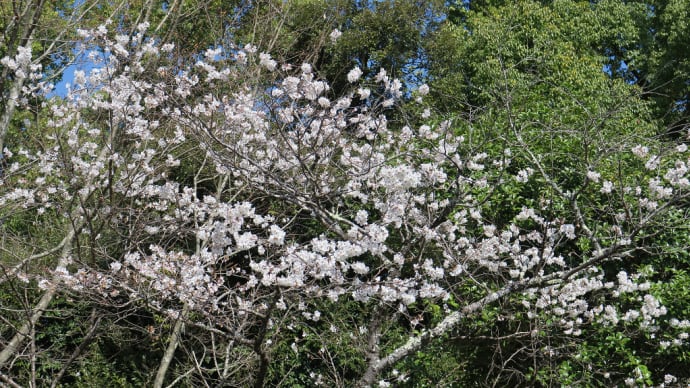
(141, 27)
(363, 93)
(150, 229)
(640, 151)
(241, 57)
(523, 175)
(306, 68)
(670, 379)
(9, 63)
(424, 89)
(568, 230)
(213, 54)
(277, 236)
(245, 241)
(44, 284)
(23, 56)
(607, 187)
(433, 271)
(115, 266)
(652, 163)
(382, 76)
(343, 103)
(335, 34)
(277, 92)
(324, 102)
(354, 74)
(395, 88)
(593, 176)
(361, 217)
(360, 268)
(266, 61)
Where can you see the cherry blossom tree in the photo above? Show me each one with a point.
(245, 213)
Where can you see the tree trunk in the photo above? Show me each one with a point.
(170, 350)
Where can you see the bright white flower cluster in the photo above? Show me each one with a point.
(354, 74)
(21, 60)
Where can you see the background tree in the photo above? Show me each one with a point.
(371, 35)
